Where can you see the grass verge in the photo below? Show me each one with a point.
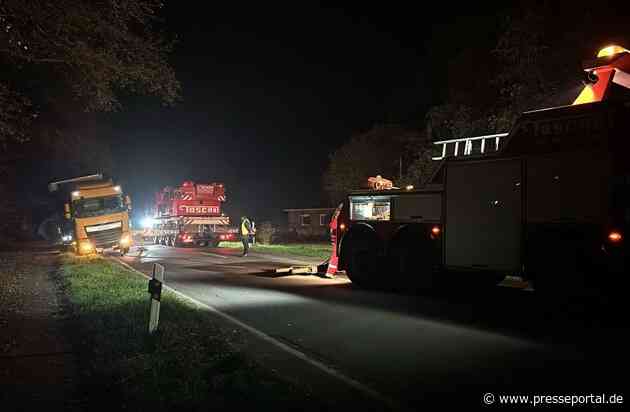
(314, 250)
(190, 364)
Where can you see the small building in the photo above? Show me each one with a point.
(309, 223)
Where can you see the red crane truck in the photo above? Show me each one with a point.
(548, 202)
(190, 215)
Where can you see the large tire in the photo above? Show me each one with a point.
(414, 259)
(556, 267)
(362, 251)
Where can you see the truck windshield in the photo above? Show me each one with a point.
(369, 207)
(98, 206)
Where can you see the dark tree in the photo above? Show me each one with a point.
(62, 58)
(378, 151)
(535, 63)
(93, 51)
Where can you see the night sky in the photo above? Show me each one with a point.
(269, 93)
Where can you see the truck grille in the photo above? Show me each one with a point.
(105, 238)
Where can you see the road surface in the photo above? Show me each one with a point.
(449, 346)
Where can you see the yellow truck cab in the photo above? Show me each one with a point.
(99, 213)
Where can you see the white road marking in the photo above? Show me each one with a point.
(215, 254)
(369, 392)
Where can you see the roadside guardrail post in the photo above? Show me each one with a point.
(155, 290)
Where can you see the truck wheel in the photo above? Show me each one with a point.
(413, 257)
(362, 252)
(556, 268)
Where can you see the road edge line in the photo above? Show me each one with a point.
(369, 392)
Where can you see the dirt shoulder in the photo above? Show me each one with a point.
(37, 362)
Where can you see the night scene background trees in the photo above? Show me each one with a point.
(289, 106)
(531, 60)
(62, 60)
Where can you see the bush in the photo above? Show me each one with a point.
(285, 236)
(265, 233)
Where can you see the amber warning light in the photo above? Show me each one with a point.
(615, 237)
(611, 51)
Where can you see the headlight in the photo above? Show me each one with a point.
(85, 247)
(147, 222)
(125, 240)
(66, 238)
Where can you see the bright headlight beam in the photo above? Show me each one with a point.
(147, 222)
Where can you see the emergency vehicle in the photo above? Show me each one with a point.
(548, 202)
(191, 215)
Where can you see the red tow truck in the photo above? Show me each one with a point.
(191, 215)
(548, 202)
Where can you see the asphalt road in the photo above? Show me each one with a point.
(450, 346)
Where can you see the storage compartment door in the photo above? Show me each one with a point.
(568, 187)
(483, 215)
(418, 207)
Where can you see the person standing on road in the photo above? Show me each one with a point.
(252, 232)
(246, 231)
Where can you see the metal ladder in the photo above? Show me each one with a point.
(471, 145)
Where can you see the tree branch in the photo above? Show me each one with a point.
(33, 59)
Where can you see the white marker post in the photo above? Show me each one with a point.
(155, 289)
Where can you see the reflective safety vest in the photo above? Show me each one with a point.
(244, 230)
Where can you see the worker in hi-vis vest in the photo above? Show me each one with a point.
(246, 231)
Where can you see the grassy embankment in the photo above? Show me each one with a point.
(191, 362)
(297, 250)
